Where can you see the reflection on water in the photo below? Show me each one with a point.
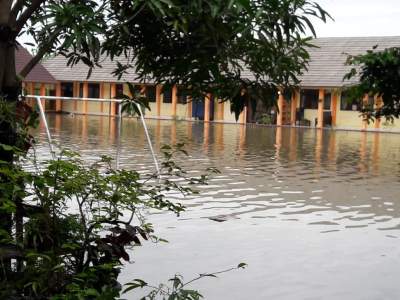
(313, 213)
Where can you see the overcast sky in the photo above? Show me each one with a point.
(360, 18)
(356, 18)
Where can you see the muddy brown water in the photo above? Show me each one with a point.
(314, 214)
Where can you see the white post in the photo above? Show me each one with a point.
(42, 114)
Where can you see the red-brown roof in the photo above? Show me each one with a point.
(38, 73)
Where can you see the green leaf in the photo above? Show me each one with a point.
(242, 265)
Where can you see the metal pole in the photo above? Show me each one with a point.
(42, 114)
(119, 123)
(119, 130)
(149, 141)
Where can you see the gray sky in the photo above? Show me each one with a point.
(355, 18)
(360, 18)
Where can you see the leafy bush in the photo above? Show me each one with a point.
(67, 226)
(265, 119)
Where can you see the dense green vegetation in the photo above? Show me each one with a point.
(378, 73)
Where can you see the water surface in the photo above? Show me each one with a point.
(314, 214)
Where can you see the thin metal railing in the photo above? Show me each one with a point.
(49, 138)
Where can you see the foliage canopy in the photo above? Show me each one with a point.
(379, 74)
(239, 49)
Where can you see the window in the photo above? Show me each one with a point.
(151, 93)
(309, 99)
(182, 95)
(119, 90)
(36, 90)
(167, 95)
(327, 101)
(93, 90)
(67, 89)
(347, 104)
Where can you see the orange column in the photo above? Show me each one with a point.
(293, 108)
(207, 101)
(76, 94)
(58, 94)
(113, 92)
(174, 100)
(364, 117)
(101, 94)
(220, 107)
(279, 119)
(31, 91)
(378, 105)
(334, 100)
(189, 107)
(85, 95)
(320, 115)
(158, 99)
(43, 93)
(30, 88)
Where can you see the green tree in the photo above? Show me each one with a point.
(238, 49)
(202, 44)
(379, 74)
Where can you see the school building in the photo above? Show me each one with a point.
(319, 102)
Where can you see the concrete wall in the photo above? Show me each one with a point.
(389, 126)
(348, 119)
(344, 119)
(311, 115)
(181, 111)
(228, 116)
(166, 109)
(153, 110)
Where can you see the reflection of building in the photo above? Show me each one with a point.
(320, 102)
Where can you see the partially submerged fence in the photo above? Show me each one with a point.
(120, 116)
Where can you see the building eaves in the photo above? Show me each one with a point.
(38, 74)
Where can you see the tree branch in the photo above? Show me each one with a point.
(17, 7)
(26, 14)
(39, 55)
(5, 8)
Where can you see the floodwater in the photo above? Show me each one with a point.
(314, 214)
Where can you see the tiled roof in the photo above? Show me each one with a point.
(57, 66)
(38, 73)
(326, 69)
(327, 65)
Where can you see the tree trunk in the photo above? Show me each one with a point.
(9, 91)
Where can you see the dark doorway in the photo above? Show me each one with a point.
(198, 108)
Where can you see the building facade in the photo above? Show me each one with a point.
(319, 102)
